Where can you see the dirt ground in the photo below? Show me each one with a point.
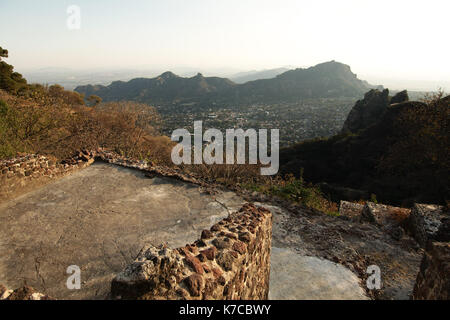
(351, 244)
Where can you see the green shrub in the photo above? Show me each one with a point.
(294, 190)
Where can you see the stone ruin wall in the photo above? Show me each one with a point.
(27, 172)
(430, 226)
(230, 261)
(24, 173)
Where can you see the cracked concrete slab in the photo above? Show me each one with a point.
(296, 275)
(299, 277)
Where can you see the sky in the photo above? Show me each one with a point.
(381, 40)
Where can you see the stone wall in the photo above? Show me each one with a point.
(27, 172)
(24, 173)
(229, 261)
(433, 280)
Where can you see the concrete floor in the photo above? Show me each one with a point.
(299, 277)
(98, 219)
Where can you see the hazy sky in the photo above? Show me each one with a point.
(378, 39)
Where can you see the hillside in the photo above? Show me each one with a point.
(166, 88)
(401, 155)
(330, 79)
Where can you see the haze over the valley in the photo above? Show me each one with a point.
(397, 44)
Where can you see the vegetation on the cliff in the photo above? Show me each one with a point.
(402, 156)
(53, 121)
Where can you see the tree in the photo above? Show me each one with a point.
(94, 100)
(9, 80)
(3, 53)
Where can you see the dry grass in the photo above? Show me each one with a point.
(54, 122)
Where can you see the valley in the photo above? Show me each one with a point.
(297, 121)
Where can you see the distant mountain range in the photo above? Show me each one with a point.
(325, 80)
(243, 77)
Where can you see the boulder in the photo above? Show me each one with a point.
(351, 210)
(400, 97)
(4, 292)
(433, 280)
(391, 219)
(428, 222)
(383, 215)
(367, 111)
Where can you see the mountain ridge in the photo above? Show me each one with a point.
(246, 76)
(328, 79)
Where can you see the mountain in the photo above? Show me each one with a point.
(330, 79)
(390, 147)
(243, 77)
(325, 80)
(166, 88)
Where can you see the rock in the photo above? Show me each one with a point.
(206, 234)
(397, 233)
(221, 243)
(210, 253)
(4, 292)
(367, 111)
(433, 280)
(425, 222)
(400, 97)
(384, 215)
(23, 293)
(244, 236)
(226, 260)
(350, 209)
(443, 233)
(194, 263)
(239, 247)
(194, 284)
(144, 274)
(216, 272)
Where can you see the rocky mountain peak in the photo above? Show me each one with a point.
(367, 111)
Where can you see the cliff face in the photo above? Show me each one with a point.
(397, 151)
(369, 110)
